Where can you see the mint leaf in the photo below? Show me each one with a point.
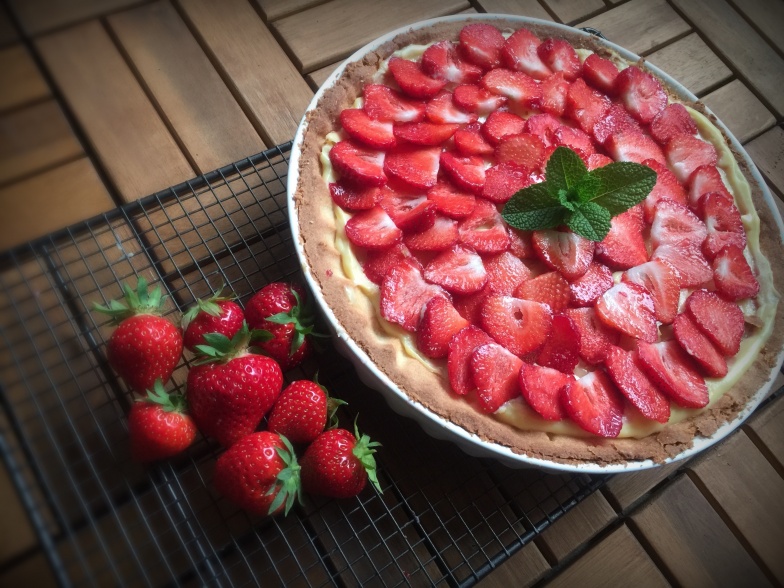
(587, 188)
(564, 170)
(534, 208)
(622, 185)
(590, 220)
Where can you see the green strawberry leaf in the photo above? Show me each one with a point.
(590, 220)
(534, 207)
(622, 185)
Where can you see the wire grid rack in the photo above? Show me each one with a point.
(443, 519)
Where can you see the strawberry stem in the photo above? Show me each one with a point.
(303, 317)
(363, 451)
(207, 305)
(287, 485)
(219, 348)
(170, 402)
(138, 301)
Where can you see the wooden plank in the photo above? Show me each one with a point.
(38, 16)
(20, 80)
(530, 8)
(569, 11)
(33, 571)
(640, 25)
(329, 32)
(701, 71)
(8, 32)
(619, 560)
(749, 490)
(275, 9)
(767, 16)
(578, 525)
(768, 426)
(14, 519)
(734, 39)
(198, 106)
(521, 570)
(627, 489)
(692, 541)
(47, 201)
(767, 151)
(740, 110)
(35, 138)
(319, 76)
(272, 92)
(130, 139)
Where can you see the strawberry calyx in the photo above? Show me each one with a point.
(219, 348)
(208, 306)
(287, 483)
(138, 301)
(302, 317)
(332, 405)
(363, 451)
(169, 402)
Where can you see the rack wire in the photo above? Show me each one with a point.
(443, 519)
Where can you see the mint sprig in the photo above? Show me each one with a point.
(583, 201)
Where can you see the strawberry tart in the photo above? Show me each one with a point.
(537, 239)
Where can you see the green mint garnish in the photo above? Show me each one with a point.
(583, 201)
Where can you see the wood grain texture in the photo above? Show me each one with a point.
(274, 9)
(739, 109)
(569, 11)
(319, 76)
(530, 8)
(38, 16)
(767, 151)
(324, 34)
(767, 16)
(20, 80)
(692, 63)
(8, 32)
(521, 570)
(693, 542)
(639, 25)
(768, 426)
(734, 39)
(578, 525)
(211, 126)
(23, 537)
(269, 87)
(627, 489)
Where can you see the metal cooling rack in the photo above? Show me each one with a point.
(444, 518)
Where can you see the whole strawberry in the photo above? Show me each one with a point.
(218, 314)
(158, 426)
(302, 411)
(259, 473)
(231, 389)
(145, 346)
(338, 464)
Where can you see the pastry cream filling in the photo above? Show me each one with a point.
(516, 412)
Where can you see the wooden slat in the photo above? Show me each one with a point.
(33, 571)
(49, 201)
(732, 37)
(749, 490)
(619, 560)
(35, 138)
(767, 16)
(521, 570)
(578, 525)
(768, 426)
(692, 541)
(20, 80)
(639, 25)
(701, 71)
(268, 85)
(7, 30)
(324, 34)
(530, 8)
(14, 518)
(275, 9)
(211, 126)
(129, 137)
(38, 16)
(571, 10)
(627, 489)
(767, 151)
(319, 76)
(740, 110)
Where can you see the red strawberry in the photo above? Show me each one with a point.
(144, 347)
(600, 73)
(576, 140)
(694, 342)
(485, 230)
(630, 145)
(675, 223)
(704, 179)
(674, 373)
(495, 372)
(554, 91)
(519, 88)
(615, 120)
(423, 133)
(564, 251)
(542, 388)
(351, 198)
(338, 464)
(721, 320)
(686, 153)
(416, 168)
(378, 262)
(158, 426)
(443, 110)
(521, 243)
(451, 201)
(229, 397)
(217, 314)
(358, 165)
(586, 289)
(733, 276)
(505, 273)
(520, 53)
(624, 369)
(519, 325)
(469, 141)
(404, 293)
(472, 98)
(561, 351)
(259, 474)
(593, 402)
(376, 134)
(524, 150)
(440, 322)
(502, 124)
(550, 288)
(560, 56)
(441, 236)
(373, 229)
(543, 126)
(585, 105)
(595, 336)
(383, 103)
(302, 411)
(597, 160)
(629, 308)
(673, 120)
(662, 283)
(467, 173)
(723, 222)
(481, 44)
(688, 262)
(641, 93)
(470, 305)
(502, 181)
(442, 62)
(667, 187)
(461, 348)
(459, 270)
(409, 213)
(412, 80)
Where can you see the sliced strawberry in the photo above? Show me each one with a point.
(549, 288)
(624, 370)
(469, 141)
(600, 73)
(667, 187)
(416, 168)
(459, 270)
(593, 402)
(470, 306)
(360, 127)
(686, 153)
(633, 146)
(505, 273)
(554, 91)
(444, 111)
(412, 80)
(521, 244)
(461, 348)
(451, 201)
(404, 293)
(502, 124)
(564, 251)
(721, 320)
(517, 87)
(409, 213)
(440, 322)
(351, 198)
(615, 120)
(485, 230)
(597, 160)
(481, 45)
(525, 150)
(467, 173)
(495, 372)
(423, 133)
(628, 308)
(476, 99)
(441, 236)
(641, 93)
(624, 245)
(694, 342)
(674, 373)
(704, 179)
(662, 283)
(377, 263)
(502, 181)
(560, 56)
(675, 223)
(543, 126)
(586, 289)
(561, 351)
(723, 222)
(733, 276)
(585, 105)
(688, 262)
(673, 120)
(520, 53)
(442, 62)
(595, 337)
(383, 103)
(576, 140)
(542, 388)
(519, 325)
(358, 165)
(373, 229)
